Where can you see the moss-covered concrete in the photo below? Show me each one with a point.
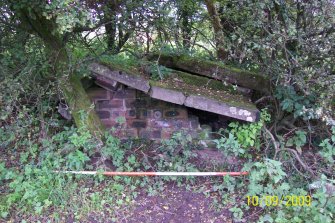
(215, 70)
(119, 65)
(223, 96)
(204, 82)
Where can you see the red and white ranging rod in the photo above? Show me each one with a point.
(156, 173)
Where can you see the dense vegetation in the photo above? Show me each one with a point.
(44, 50)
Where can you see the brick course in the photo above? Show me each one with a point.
(97, 93)
(108, 104)
(145, 117)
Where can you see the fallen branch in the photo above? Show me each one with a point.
(294, 152)
(264, 98)
(275, 143)
(305, 166)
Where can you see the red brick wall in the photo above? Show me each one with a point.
(144, 117)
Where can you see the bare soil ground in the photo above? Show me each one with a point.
(176, 205)
(173, 205)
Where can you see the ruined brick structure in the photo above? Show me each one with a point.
(143, 116)
(155, 109)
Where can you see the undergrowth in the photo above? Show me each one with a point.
(35, 142)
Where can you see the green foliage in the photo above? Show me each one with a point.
(242, 136)
(76, 160)
(290, 41)
(120, 61)
(175, 155)
(229, 145)
(248, 135)
(294, 103)
(159, 72)
(113, 149)
(34, 189)
(268, 178)
(304, 64)
(237, 213)
(265, 177)
(328, 148)
(298, 140)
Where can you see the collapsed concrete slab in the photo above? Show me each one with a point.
(215, 70)
(182, 88)
(206, 104)
(128, 79)
(168, 95)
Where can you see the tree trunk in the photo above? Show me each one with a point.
(222, 54)
(110, 18)
(80, 105)
(74, 93)
(115, 25)
(186, 30)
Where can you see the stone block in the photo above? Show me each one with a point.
(97, 93)
(163, 123)
(150, 133)
(109, 123)
(131, 114)
(157, 114)
(137, 123)
(108, 84)
(136, 103)
(110, 104)
(118, 113)
(145, 113)
(112, 123)
(144, 133)
(103, 114)
(125, 94)
(168, 123)
(125, 133)
(167, 95)
(180, 123)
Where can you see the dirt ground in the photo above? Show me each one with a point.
(176, 205)
(173, 205)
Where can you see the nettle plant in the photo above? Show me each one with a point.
(328, 148)
(266, 177)
(240, 137)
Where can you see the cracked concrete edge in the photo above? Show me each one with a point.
(210, 105)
